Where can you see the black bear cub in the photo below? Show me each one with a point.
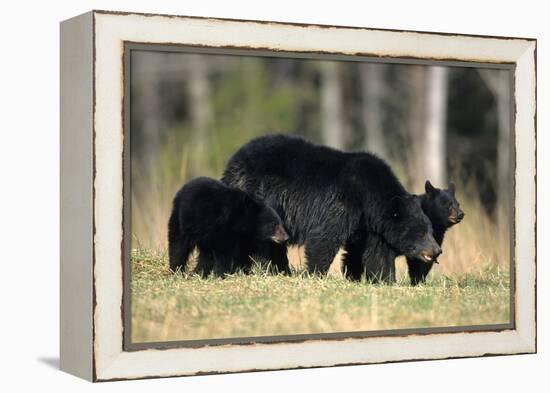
(443, 210)
(224, 223)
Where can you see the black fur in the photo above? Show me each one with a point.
(443, 210)
(224, 223)
(328, 199)
(369, 254)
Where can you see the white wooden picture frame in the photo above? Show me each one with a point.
(92, 194)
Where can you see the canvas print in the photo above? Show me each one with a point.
(277, 196)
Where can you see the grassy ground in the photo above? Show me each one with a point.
(174, 307)
(470, 286)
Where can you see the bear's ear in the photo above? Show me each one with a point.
(429, 188)
(451, 189)
(397, 206)
(245, 203)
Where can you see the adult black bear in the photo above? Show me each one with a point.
(443, 210)
(328, 199)
(224, 223)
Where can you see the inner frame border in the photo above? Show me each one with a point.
(128, 345)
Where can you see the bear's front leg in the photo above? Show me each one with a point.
(418, 270)
(269, 252)
(205, 263)
(224, 264)
(378, 260)
(210, 261)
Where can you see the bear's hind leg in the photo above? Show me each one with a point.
(320, 253)
(179, 245)
(352, 265)
(179, 249)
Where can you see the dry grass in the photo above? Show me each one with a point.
(169, 307)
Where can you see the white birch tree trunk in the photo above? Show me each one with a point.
(416, 170)
(435, 132)
(372, 86)
(199, 94)
(428, 120)
(332, 122)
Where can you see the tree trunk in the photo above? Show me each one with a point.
(428, 120)
(372, 86)
(147, 80)
(199, 94)
(332, 122)
(498, 82)
(436, 119)
(416, 118)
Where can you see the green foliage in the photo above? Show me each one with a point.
(245, 105)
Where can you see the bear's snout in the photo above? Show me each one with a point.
(430, 256)
(280, 235)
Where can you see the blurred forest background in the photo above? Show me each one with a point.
(191, 112)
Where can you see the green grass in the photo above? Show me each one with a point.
(169, 307)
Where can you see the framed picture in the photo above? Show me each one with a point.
(246, 195)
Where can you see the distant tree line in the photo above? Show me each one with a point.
(429, 122)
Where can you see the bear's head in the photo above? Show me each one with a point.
(269, 225)
(251, 219)
(410, 231)
(441, 206)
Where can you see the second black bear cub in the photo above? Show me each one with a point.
(224, 223)
(443, 210)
